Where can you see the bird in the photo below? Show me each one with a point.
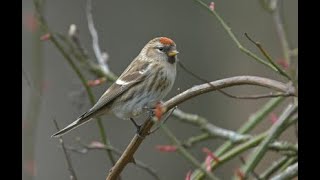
(143, 84)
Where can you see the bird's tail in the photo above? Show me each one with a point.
(84, 118)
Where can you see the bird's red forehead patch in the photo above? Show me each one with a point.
(166, 41)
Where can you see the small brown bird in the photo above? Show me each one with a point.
(145, 82)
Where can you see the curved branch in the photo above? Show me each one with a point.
(136, 141)
(228, 82)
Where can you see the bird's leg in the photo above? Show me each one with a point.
(138, 127)
(150, 111)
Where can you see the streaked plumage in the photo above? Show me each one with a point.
(146, 81)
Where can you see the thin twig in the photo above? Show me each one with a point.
(85, 149)
(101, 57)
(233, 37)
(264, 52)
(68, 159)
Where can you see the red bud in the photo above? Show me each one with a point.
(166, 148)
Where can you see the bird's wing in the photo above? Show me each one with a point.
(134, 74)
(117, 89)
(130, 77)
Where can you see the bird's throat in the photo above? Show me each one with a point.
(172, 59)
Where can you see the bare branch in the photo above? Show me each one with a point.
(228, 82)
(269, 95)
(102, 57)
(190, 93)
(128, 153)
(264, 52)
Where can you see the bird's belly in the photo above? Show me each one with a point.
(137, 105)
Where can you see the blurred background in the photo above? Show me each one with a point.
(51, 89)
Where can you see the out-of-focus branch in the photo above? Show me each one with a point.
(81, 55)
(212, 130)
(289, 173)
(69, 59)
(87, 147)
(68, 159)
(273, 168)
(196, 139)
(33, 106)
(253, 120)
(102, 57)
(274, 5)
(274, 132)
(185, 153)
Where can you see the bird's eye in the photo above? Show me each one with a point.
(160, 49)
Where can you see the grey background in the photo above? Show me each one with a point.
(124, 27)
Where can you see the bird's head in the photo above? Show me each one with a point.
(161, 49)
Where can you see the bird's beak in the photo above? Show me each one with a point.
(172, 53)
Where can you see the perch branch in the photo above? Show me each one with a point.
(182, 97)
(258, 96)
(228, 82)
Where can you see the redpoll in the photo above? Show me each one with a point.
(145, 82)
